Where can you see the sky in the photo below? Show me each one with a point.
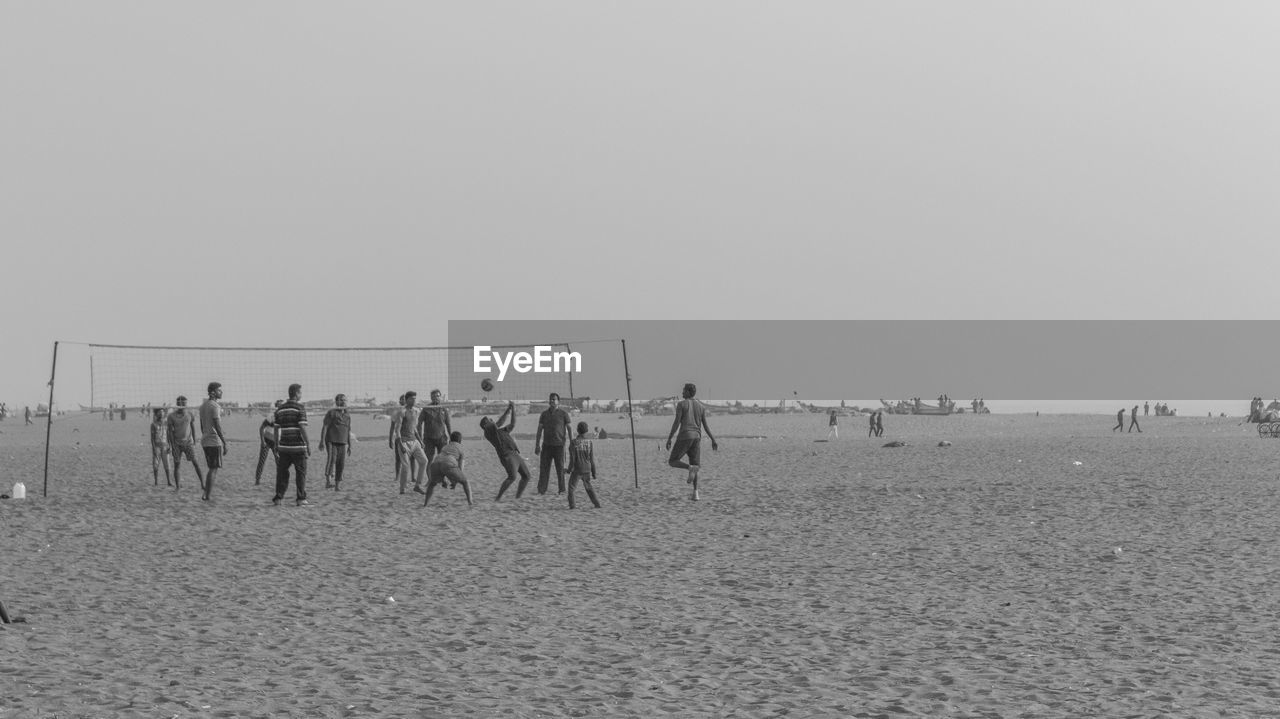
(358, 174)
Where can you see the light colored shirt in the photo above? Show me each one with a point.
(690, 413)
(210, 414)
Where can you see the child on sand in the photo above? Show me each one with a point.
(582, 465)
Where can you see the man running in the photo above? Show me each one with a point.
(690, 422)
(499, 435)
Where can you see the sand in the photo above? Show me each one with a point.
(1038, 567)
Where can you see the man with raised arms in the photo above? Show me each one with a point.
(499, 435)
(690, 423)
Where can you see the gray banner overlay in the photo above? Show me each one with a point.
(1056, 360)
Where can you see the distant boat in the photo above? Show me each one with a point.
(942, 409)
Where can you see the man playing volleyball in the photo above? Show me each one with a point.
(690, 422)
(447, 467)
(499, 435)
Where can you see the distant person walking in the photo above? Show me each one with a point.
(336, 441)
(1119, 420)
(211, 437)
(871, 424)
(879, 423)
(180, 429)
(582, 465)
(292, 447)
(689, 424)
(26, 413)
(1146, 409)
(1133, 419)
(833, 426)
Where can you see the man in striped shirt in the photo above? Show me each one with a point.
(292, 446)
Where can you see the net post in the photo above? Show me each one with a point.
(635, 461)
(48, 425)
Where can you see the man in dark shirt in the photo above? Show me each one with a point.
(292, 446)
(549, 441)
(335, 439)
(434, 426)
(499, 435)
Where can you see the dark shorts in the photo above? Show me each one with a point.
(514, 464)
(213, 455)
(691, 447)
(433, 445)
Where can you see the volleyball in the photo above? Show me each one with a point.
(486, 384)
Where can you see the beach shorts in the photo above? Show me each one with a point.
(690, 446)
(440, 472)
(213, 455)
(184, 449)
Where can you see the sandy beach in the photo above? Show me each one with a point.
(1038, 567)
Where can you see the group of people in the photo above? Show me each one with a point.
(875, 424)
(1133, 420)
(175, 436)
(422, 439)
(284, 435)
